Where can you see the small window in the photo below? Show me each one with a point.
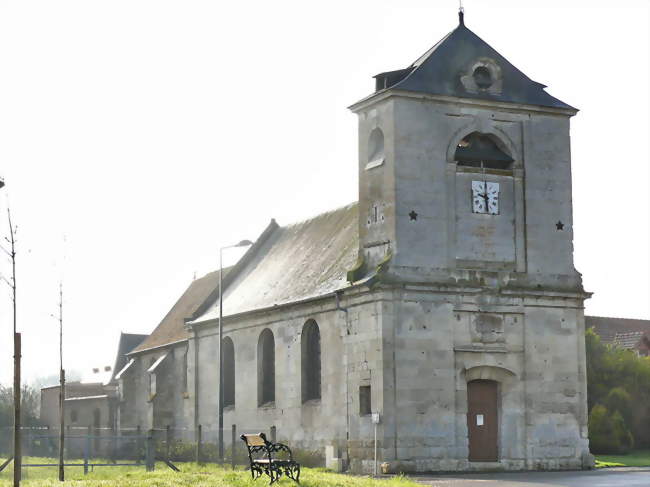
(74, 416)
(185, 371)
(365, 402)
(482, 151)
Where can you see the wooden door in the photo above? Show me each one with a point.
(482, 420)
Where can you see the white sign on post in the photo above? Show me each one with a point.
(479, 420)
(375, 418)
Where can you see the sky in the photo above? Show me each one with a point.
(138, 137)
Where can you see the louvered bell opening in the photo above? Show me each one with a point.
(478, 150)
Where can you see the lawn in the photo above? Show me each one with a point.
(191, 475)
(638, 458)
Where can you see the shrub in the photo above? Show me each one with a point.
(618, 399)
(623, 435)
(608, 432)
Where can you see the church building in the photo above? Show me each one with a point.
(445, 299)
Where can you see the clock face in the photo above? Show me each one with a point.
(479, 201)
(492, 190)
(485, 197)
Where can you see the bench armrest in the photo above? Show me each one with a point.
(280, 447)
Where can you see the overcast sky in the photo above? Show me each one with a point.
(150, 133)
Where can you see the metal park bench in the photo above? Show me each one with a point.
(262, 458)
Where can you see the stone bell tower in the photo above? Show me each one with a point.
(436, 138)
(465, 215)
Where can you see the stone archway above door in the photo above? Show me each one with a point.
(489, 372)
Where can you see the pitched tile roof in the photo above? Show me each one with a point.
(628, 340)
(292, 263)
(610, 328)
(172, 327)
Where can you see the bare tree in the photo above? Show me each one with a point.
(17, 345)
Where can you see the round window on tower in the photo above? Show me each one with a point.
(482, 77)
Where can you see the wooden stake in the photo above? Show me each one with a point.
(61, 389)
(18, 463)
(61, 426)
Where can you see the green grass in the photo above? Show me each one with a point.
(191, 475)
(637, 458)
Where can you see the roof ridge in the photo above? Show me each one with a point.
(617, 318)
(320, 215)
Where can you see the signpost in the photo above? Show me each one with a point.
(376, 418)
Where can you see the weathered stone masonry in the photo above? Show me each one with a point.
(449, 289)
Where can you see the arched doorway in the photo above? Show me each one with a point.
(483, 420)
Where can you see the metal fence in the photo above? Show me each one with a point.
(89, 447)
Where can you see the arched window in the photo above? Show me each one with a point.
(266, 368)
(228, 349)
(482, 151)
(310, 361)
(375, 149)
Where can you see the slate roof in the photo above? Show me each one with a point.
(291, 263)
(128, 341)
(172, 327)
(438, 71)
(618, 330)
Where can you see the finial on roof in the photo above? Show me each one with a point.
(461, 13)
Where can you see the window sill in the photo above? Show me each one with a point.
(312, 402)
(267, 405)
(480, 170)
(375, 163)
(151, 397)
(228, 407)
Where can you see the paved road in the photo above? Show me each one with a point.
(619, 477)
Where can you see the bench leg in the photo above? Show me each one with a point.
(293, 472)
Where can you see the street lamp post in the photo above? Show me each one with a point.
(243, 243)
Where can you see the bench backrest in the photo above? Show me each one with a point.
(254, 440)
(257, 446)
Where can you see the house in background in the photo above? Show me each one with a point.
(624, 333)
(91, 401)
